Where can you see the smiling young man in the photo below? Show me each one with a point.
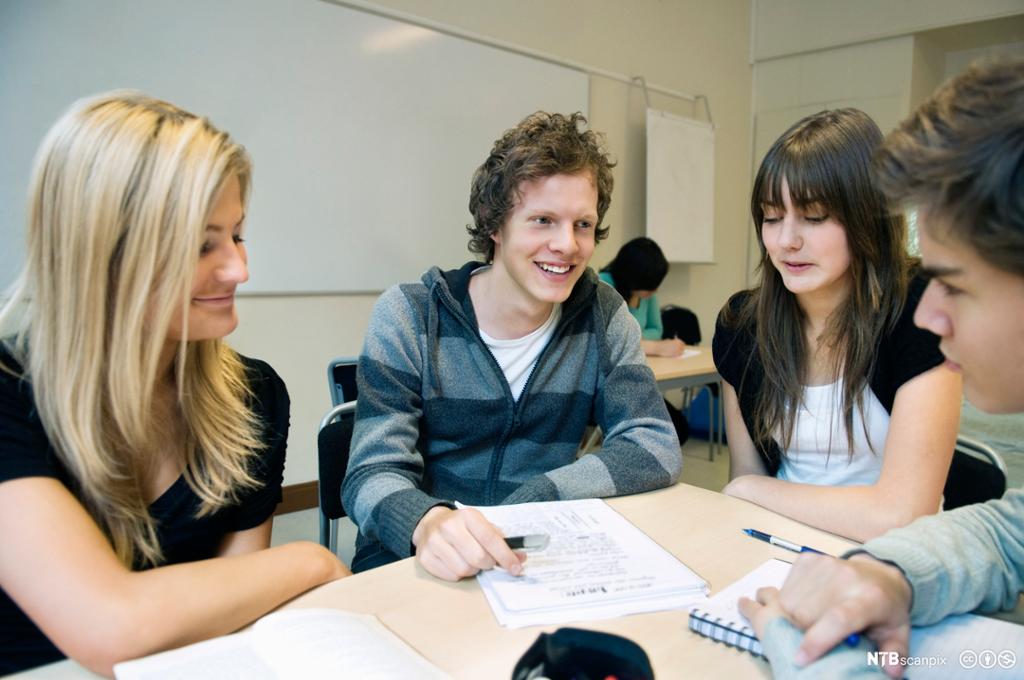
(960, 160)
(476, 384)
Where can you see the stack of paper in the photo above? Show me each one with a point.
(596, 566)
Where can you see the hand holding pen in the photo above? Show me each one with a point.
(829, 598)
(854, 638)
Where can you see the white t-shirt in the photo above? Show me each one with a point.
(518, 356)
(819, 452)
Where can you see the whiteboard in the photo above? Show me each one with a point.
(681, 186)
(364, 131)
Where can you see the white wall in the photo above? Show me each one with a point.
(957, 61)
(689, 45)
(875, 77)
(813, 55)
(784, 27)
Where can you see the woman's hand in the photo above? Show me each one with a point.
(740, 487)
(669, 347)
(61, 570)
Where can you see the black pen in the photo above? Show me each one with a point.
(528, 542)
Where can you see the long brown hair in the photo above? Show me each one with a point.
(825, 159)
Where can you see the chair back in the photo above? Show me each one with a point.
(341, 379)
(333, 441)
(680, 322)
(977, 474)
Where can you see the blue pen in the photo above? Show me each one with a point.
(854, 638)
(781, 542)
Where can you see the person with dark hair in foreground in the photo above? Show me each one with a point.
(476, 384)
(959, 160)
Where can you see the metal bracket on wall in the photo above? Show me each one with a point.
(642, 82)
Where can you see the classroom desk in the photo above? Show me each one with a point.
(452, 626)
(677, 373)
(673, 373)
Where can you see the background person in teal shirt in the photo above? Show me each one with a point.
(636, 272)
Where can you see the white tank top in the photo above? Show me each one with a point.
(819, 452)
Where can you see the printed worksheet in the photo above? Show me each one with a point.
(596, 565)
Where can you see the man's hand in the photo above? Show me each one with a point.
(762, 611)
(454, 544)
(831, 598)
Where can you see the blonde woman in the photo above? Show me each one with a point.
(140, 457)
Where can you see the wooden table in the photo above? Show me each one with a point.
(679, 373)
(451, 624)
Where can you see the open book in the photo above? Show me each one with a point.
(597, 565)
(965, 646)
(305, 644)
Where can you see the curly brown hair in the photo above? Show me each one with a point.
(960, 159)
(542, 145)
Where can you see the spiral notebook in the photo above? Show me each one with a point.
(968, 646)
(719, 617)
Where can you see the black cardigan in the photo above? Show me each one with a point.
(904, 353)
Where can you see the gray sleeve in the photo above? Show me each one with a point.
(781, 640)
(967, 559)
(381, 492)
(640, 451)
(971, 558)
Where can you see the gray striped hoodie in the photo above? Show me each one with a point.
(436, 421)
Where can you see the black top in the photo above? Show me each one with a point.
(904, 353)
(26, 452)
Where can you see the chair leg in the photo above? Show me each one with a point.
(711, 426)
(721, 419)
(333, 530)
(592, 440)
(325, 530)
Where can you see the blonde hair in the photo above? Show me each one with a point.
(122, 187)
